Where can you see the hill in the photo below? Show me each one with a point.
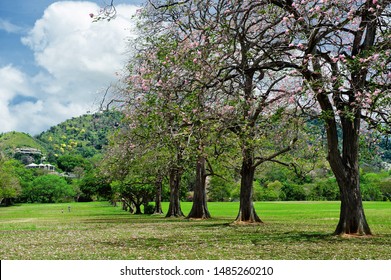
(11, 141)
(85, 135)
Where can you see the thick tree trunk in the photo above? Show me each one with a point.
(200, 208)
(352, 218)
(247, 212)
(347, 172)
(174, 209)
(345, 166)
(158, 195)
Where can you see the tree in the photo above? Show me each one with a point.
(9, 183)
(341, 49)
(134, 193)
(134, 162)
(49, 189)
(69, 162)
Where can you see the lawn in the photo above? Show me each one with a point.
(98, 231)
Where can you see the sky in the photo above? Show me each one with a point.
(55, 62)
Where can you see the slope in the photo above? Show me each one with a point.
(85, 135)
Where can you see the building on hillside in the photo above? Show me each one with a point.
(28, 151)
(28, 155)
(43, 166)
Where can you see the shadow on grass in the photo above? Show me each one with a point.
(293, 237)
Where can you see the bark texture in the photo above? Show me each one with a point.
(247, 212)
(345, 166)
(158, 195)
(199, 209)
(174, 209)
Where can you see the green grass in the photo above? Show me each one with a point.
(291, 230)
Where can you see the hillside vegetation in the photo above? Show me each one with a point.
(85, 135)
(13, 140)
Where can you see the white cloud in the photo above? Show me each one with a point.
(13, 83)
(78, 58)
(9, 27)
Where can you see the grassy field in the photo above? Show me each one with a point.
(291, 230)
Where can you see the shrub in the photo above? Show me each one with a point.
(219, 189)
(270, 192)
(371, 192)
(149, 209)
(324, 190)
(48, 189)
(385, 188)
(293, 192)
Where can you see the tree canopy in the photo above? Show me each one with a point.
(258, 71)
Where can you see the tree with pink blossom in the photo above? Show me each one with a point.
(342, 51)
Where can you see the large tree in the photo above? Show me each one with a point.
(342, 51)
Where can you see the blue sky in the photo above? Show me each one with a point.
(55, 62)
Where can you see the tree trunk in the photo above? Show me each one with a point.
(138, 208)
(199, 209)
(158, 195)
(345, 167)
(352, 218)
(347, 172)
(174, 209)
(247, 212)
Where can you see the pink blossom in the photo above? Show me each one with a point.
(334, 59)
(375, 57)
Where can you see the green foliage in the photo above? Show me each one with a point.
(325, 189)
(270, 192)
(9, 183)
(376, 186)
(371, 192)
(85, 135)
(294, 192)
(68, 162)
(385, 188)
(94, 184)
(219, 189)
(48, 189)
(134, 193)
